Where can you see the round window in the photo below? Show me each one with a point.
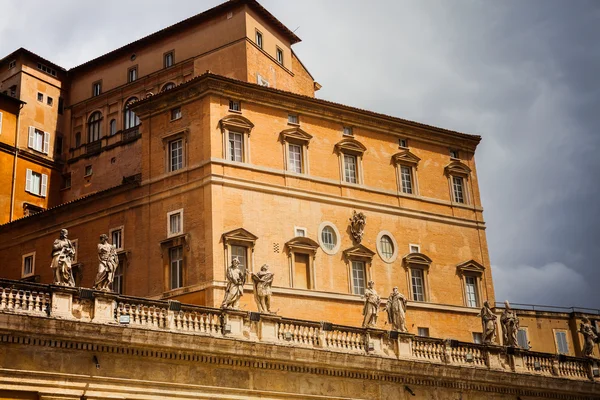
(329, 238)
(387, 247)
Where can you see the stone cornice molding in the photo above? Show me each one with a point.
(359, 252)
(302, 244)
(457, 168)
(352, 146)
(236, 122)
(405, 157)
(239, 236)
(295, 134)
(470, 266)
(418, 260)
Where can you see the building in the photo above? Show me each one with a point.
(204, 142)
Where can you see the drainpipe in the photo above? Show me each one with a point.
(14, 178)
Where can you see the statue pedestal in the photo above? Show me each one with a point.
(104, 308)
(267, 327)
(233, 323)
(62, 302)
(404, 345)
(495, 357)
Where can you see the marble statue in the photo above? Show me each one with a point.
(236, 278)
(262, 281)
(510, 326)
(589, 337)
(357, 225)
(63, 253)
(371, 307)
(396, 310)
(488, 322)
(108, 261)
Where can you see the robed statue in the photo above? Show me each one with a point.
(488, 323)
(371, 307)
(236, 278)
(589, 337)
(510, 326)
(262, 282)
(63, 253)
(108, 261)
(396, 310)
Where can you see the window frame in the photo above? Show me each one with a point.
(526, 331)
(167, 54)
(302, 229)
(41, 144)
(417, 261)
(130, 119)
(338, 238)
(556, 344)
(457, 169)
(170, 165)
(180, 267)
(362, 254)
(181, 223)
(296, 137)
(259, 39)
(233, 109)
(133, 69)
(112, 127)
(240, 125)
(23, 258)
(306, 247)
(353, 283)
(119, 278)
(423, 329)
(94, 127)
(177, 112)
(279, 55)
(350, 148)
(40, 97)
(85, 173)
(120, 229)
(394, 244)
(242, 238)
(42, 189)
(406, 159)
(480, 336)
(475, 270)
(98, 85)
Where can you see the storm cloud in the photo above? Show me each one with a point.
(523, 74)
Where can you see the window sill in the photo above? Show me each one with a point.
(235, 111)
(294, 123)
(65, 189)
(175, 119)
(36, 195)
(87, 176)
(403, 148)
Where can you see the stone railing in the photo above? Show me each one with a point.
(89, 306)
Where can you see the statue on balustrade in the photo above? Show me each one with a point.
(396, 310)
(63, 253)
(262, 281)
(589, 337)
(488, 322)
(371, 307)
(357, 225)
(108, 261)
(236, 278)
(510, 326)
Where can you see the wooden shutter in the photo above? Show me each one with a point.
(28, 181)
(46, 142)
(44, 185)
(31, 143)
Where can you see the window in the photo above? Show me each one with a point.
(387, 247)
(295, 156)
(350, 175)
(175, 223)
(78, 139)
(168, 86)
(358, 277)
(0, 123)
(414, 248)
(328, 238)
(259, 39)
(38, 140)
(458, 189)
(477, 338)
(471, 291)
(234, 105)
(562, 346)
(61, 105)
(40, 97)
(113, 127)
(88, 171)
(169, 59)
(175, 155)
(238, 244)
(418, 287)
(36, 183)
(28, 266)
(423, 332)
(132, 74)
(239, 252)
(46, 69)
(261, 80)
(58, 145)
(96, 88)
(522, 339)
(403, 143)
(13, 91)
(49, 101)
(293, 119)
(347, 131)
(299, 232)
(116, 236)
(236, 146)
(175, 113)
(279, 55)
(31, 209)
(131, 120)
(12, 64)
(406, 176)
(94, 126)
(66, 181)
(118, 285)
(454, 154)
(176, 270)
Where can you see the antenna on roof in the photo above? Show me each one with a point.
(294, 31)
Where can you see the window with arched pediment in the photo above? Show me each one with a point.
(94, 126)
(458, 175)
(131, 120)
(167, 86)
(350, 153)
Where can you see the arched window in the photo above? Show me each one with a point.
(168, 86)
(113, 127)
(94, 125)
(131, 120)
(78, 139)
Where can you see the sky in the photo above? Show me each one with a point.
(522, 74)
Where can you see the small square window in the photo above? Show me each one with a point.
(28, 265)
(175, 223)
(175, 113)
(169, 59)
(88, 170)
(12, 64)
(279, 56)
(454, 154)
(293, 119)
(235, 105)
(300, 232)
(415, 248)
(49, 101)
(348, 131)
(423, 332)
(132, 74)
(403, 143)
(40, 97)
(259, 39)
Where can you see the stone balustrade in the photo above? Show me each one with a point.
(89, 306)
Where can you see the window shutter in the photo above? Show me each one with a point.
(28, 181)
(31, 143)
(0, 122)
(46, 142)
(44, 185)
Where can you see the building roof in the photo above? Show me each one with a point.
(192, 21)
(31, 54)
(11, 99)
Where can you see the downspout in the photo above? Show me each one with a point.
(14, 178)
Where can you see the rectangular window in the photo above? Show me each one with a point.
(40, 97)
(28, 265)
(88, 171)
(13, 91)
(293, 119)
(454, 154)
(176, 261)
(36, 183)
(561, 342)
(38, 140)
(522, 339)
(471, 291)
(236, 144)
(12, 64)
(406, 175)
(169, 59)
(234, 105)
(61, 105)
(58, 144)
(414, 248)
(259, 39)
(116, 236)
(49, 101)
(295, 152)
(239, 252)
(350, 174)
(175, 223)
(131, 74)
(118, 282)
(175, 113)
(96, 88)
(457, 186)
(403, 143)
(423, 332)
(0, 123)
(302, 271)
(348, 131)
(300, 232)
(46, 69)
(358, 277)
(477, 338)
(175, 155)
(279, 56)
(67, 181)
(418, 284)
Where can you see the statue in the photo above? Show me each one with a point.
(357, 225)
(371, 306)
(63, 253)
(589, 337)
(236, 278)
(396, 310)
(488, 322)
(510, 326)
(108, 263)
(262, 289)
